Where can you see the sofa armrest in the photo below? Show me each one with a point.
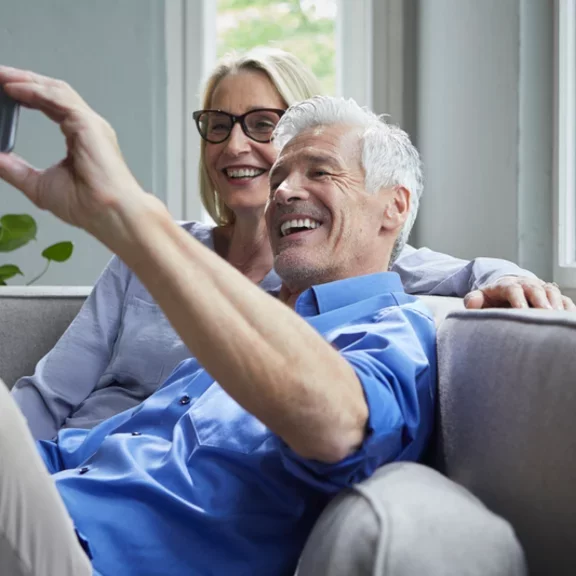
(409, 520)
(507, 395)
(32, 319)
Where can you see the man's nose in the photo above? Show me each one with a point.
(290, 190)
(237, 142)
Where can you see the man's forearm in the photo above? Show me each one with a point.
(262, 353)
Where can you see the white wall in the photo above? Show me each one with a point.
(112, 52)
(470, 80)
(484, 128)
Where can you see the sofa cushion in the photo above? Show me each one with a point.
(31, 321)
(507, 395)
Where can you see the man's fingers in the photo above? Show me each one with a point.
(57, 102)
(20, 174)
(33, 96)
(8, 75)
(474, 300)
(538, 296)
(53, 97)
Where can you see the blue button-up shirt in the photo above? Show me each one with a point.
(189, 482)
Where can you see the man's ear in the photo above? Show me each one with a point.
(397, 208)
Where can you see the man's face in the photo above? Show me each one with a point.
(323, 225)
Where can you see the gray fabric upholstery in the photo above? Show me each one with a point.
(408, 520)
(507, 409)
(31, 321)
(508, 423)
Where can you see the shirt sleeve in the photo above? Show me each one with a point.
(395, 361)
(426, 272)
(67, 375)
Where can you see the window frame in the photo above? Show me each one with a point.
(373, 66)
(565, 145)
(363, 28)
(190, 46)
(354, 62)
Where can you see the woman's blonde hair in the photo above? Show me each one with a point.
(294, 82)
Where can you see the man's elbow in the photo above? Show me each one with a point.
(335, 442)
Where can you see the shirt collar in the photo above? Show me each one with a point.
(324, 298)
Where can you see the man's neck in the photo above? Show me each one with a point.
(288, 296)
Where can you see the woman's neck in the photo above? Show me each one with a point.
(245, 246)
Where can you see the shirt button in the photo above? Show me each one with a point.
(136, 433)
(184, 400)
(83, 470)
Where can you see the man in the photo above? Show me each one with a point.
(225, 469)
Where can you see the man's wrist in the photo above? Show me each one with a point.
(124, 225)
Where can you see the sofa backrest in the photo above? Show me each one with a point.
(32, 319)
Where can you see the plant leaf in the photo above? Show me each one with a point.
(59, 252)
(2, 283)
(16, 230)
(9, 271)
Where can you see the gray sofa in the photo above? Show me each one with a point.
(507, 409)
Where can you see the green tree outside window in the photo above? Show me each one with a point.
(306, 28)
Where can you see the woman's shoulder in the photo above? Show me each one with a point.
(118, 269)
(200, 230)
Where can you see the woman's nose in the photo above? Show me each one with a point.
(237, 142)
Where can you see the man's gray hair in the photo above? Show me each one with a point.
(388, 156)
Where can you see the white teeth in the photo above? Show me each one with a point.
(243, 172)
(287, 226)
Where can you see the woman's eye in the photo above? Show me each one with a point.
(320, 173)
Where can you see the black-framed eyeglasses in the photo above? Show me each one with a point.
(215, 126)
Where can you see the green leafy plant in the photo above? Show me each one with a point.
(16, 230)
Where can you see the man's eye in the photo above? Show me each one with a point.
(319, 173)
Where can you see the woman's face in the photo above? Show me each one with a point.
(238, 167)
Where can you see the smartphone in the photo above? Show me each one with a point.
(9, 110)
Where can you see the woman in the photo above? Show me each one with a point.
(120, 347)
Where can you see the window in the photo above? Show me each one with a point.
(565, 164)
(335, 38)
(306, 28)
